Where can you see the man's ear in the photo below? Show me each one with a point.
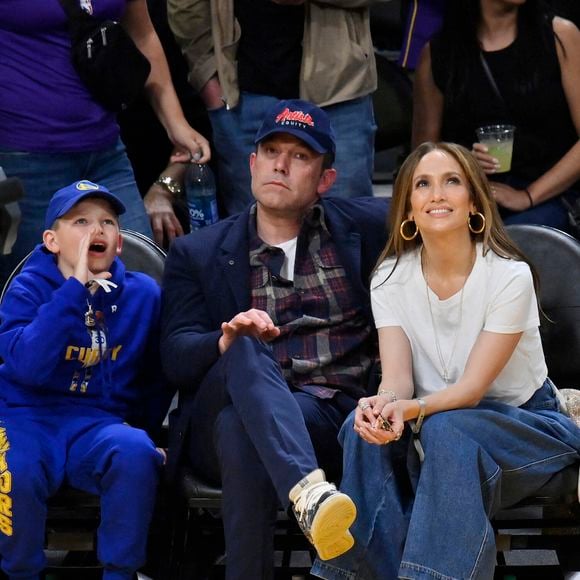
(327, 180)
(50, 241)
(119, 244)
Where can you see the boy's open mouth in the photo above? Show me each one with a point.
(97, 247)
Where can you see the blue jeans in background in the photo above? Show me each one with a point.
(44, 173)
(233, 138)
(432, 520)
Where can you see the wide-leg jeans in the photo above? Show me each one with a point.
(432, 520)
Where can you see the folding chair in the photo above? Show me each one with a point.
(551, 520)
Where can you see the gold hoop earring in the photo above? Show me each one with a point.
(402, 230)
(479, 215)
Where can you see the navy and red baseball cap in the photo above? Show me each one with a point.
(301, 119)
(67, 197)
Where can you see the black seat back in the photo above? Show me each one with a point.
(140, 254)
(556, 257)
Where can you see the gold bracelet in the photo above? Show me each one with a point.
(169, 184)
(388, 392)
(420, 416)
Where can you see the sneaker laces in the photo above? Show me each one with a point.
(310, 497)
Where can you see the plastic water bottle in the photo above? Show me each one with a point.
(201, 196)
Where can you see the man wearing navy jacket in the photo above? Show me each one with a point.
(267, 331)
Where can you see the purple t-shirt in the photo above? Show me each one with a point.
(44, 107)
(423, 20)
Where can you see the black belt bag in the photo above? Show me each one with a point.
(106, 58)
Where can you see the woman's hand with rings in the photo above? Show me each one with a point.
(370, 425)
(363, 405)
(378, 421)
(364, 415)
(385, 425)
(390, 412)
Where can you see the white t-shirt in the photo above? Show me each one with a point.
(498, 297)
(289, 249)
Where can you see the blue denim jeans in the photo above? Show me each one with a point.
(432, 520)
(44, 173)
(233, 137)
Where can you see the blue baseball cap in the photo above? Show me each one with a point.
(67, 197)
(301, 119)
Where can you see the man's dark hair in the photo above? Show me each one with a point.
(327, 161)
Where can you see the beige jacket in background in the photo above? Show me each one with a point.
(338, 62)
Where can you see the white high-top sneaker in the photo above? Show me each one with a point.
(324, 514)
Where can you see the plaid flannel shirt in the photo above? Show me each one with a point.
(325, 336)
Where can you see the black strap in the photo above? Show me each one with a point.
(491, 80)
(76, 14)
(81, 23)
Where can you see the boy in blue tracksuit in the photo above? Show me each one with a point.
(78, 340)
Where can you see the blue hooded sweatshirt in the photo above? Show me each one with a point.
(62, 345)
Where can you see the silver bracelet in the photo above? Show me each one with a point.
(420, 416)
(388, 392)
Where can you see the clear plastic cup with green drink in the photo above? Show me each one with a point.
(499, 140)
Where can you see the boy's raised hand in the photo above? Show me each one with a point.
(81, 271)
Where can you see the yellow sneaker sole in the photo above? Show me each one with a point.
(329, 531)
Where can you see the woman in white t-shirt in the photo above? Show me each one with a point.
(462, 362)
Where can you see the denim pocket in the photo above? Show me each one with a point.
(544, 399)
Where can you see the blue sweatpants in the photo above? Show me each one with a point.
(40, 448)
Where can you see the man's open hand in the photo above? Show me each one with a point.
(253, 322)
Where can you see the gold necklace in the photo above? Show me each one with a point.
(444, 365)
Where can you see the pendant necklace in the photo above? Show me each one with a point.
(444, 364)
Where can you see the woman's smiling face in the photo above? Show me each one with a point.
(440, 197)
